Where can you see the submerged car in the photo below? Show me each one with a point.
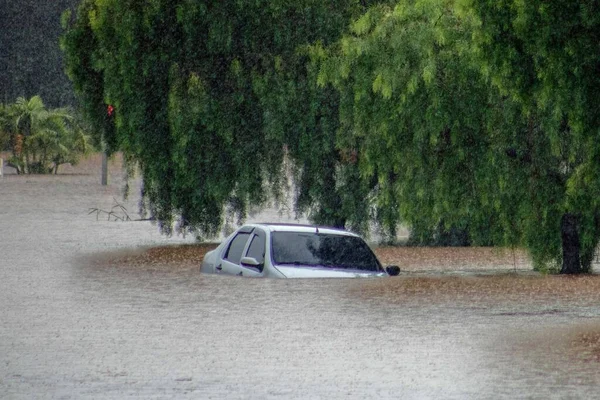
(294, 251)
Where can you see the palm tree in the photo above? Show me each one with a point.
(28, 116)
(45, 139)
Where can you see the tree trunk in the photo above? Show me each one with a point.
(339, 222)
(571, 245)
(43, 160)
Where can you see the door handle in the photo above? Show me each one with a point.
(219, 267)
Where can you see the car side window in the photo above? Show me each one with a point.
(257, 248)
(234, 252)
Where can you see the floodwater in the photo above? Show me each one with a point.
(74, 328)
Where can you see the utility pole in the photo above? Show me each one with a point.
(108, 127)
(104, 168)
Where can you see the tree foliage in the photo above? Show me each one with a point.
(207, 95)
(478, 115)
(6, 127)
(414, 104)
(544, 55)
(40, 139)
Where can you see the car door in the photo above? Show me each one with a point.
(246, 243)
(230, 263)
(256, 250)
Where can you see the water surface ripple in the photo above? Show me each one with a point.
(72, 328)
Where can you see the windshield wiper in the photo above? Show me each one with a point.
(298, 263)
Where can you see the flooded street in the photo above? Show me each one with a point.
(74, 326)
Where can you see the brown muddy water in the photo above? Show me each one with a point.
(86, 313)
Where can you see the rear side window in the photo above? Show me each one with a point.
(234, 252)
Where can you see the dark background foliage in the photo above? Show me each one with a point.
(31, 62)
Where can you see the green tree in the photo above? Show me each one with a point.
(207, 95)
(544, 54)
(479, 116)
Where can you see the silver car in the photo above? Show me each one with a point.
(294, 251)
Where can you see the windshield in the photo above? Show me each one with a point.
(322, 250)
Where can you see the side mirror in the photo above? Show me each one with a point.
(250, 262)
(392, 270)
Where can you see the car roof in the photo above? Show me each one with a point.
(283, 227)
